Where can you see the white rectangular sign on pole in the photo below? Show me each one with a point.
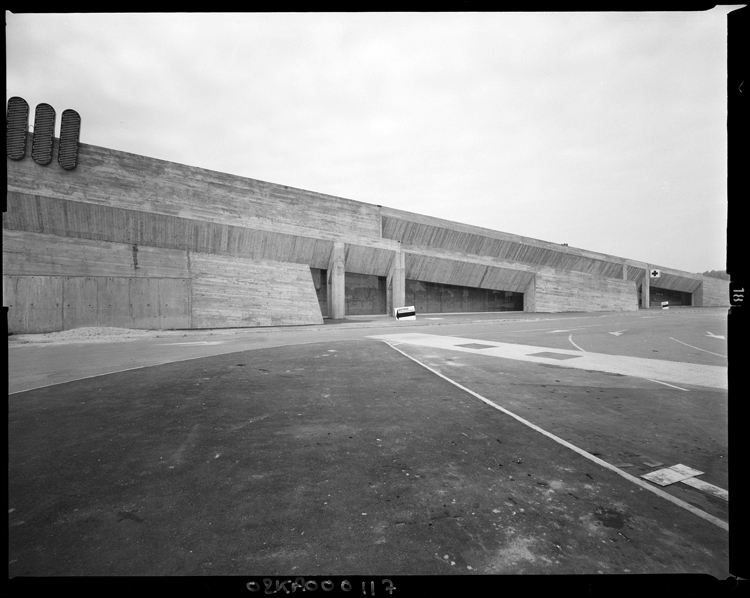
(405, 313)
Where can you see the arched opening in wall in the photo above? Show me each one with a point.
(365, 294)
(433, 297)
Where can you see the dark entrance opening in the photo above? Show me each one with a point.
(365, 294)
(320, 279)
(433, 297)
(675, 298)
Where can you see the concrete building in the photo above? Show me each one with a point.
(131, 241)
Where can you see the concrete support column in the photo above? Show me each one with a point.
(336, 291)
(624, 271)
(396, 282)
(646, 289)
(529, 296)
(697, 296)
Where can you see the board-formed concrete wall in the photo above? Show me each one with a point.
(53, 283)
(122, 229)
(54, 303)
(26, 253)
(715, 292)
(477, 273)
(107, 177)
(454, 237)
(81, 220)
(559, 291)
(34, 303)
(233, 293)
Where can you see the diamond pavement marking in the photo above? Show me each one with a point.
(476, 346)
(711, 376)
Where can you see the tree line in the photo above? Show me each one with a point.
(716, 274)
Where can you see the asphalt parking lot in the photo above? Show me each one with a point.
(458, 448)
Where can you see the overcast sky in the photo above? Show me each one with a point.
(606, 131)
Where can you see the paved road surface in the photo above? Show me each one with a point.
(375, 448)
(32, 365)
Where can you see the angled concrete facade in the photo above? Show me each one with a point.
(131, 241)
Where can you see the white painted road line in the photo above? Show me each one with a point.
(698, 348)
(707, 488)
(712, 376)
(665, 384)
(646, 486)
(570, 338)
(196, 343)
